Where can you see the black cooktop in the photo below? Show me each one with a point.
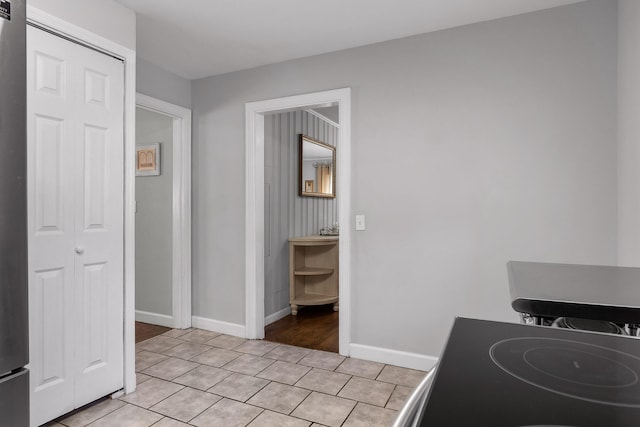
(504, 374)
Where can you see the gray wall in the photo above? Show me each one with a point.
(103, 17)
(471, 147)
(154, 81)
(154, 218)
(286, 213)
(331, 113)
(629, 134)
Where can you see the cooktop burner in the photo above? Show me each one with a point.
(511, 375)
(571, 368)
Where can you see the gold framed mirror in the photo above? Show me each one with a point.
(317, 168)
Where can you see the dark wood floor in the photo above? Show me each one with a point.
(314, 327)
(144, 331)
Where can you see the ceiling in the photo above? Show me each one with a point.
(200, 38)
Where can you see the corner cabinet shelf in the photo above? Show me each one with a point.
(313, 271)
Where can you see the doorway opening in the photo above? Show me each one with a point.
(256, 232)
(163, 215)
(301, 308)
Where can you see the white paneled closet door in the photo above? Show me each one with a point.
(75, 143)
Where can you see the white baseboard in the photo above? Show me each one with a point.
(358, 351)
(277, 316)
(393, 357)
(154, 318)
(218, 326)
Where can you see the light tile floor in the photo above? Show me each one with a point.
(201, 378)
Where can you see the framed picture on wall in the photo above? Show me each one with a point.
(308, 186)
(148, 159)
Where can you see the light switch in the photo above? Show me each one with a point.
(360, 222)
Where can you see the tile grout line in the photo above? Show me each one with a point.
(349, 414)
(162, 400)
(389, 398)
(260, 413)
(105, 415)
(88, 407)
(205, 409)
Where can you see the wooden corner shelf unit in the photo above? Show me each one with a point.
(313, 271)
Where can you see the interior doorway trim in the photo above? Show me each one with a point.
(72, 32)
(254, 199)
(181, 225)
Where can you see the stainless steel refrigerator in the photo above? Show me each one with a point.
(14, 320)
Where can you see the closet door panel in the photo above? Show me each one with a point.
(99, 224)
(51, 227)
(76, 187)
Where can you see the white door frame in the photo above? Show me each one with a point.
(72, 32)
(181, 196)
(254, 199)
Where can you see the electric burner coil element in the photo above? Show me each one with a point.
(588, 325)
(571, 368)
